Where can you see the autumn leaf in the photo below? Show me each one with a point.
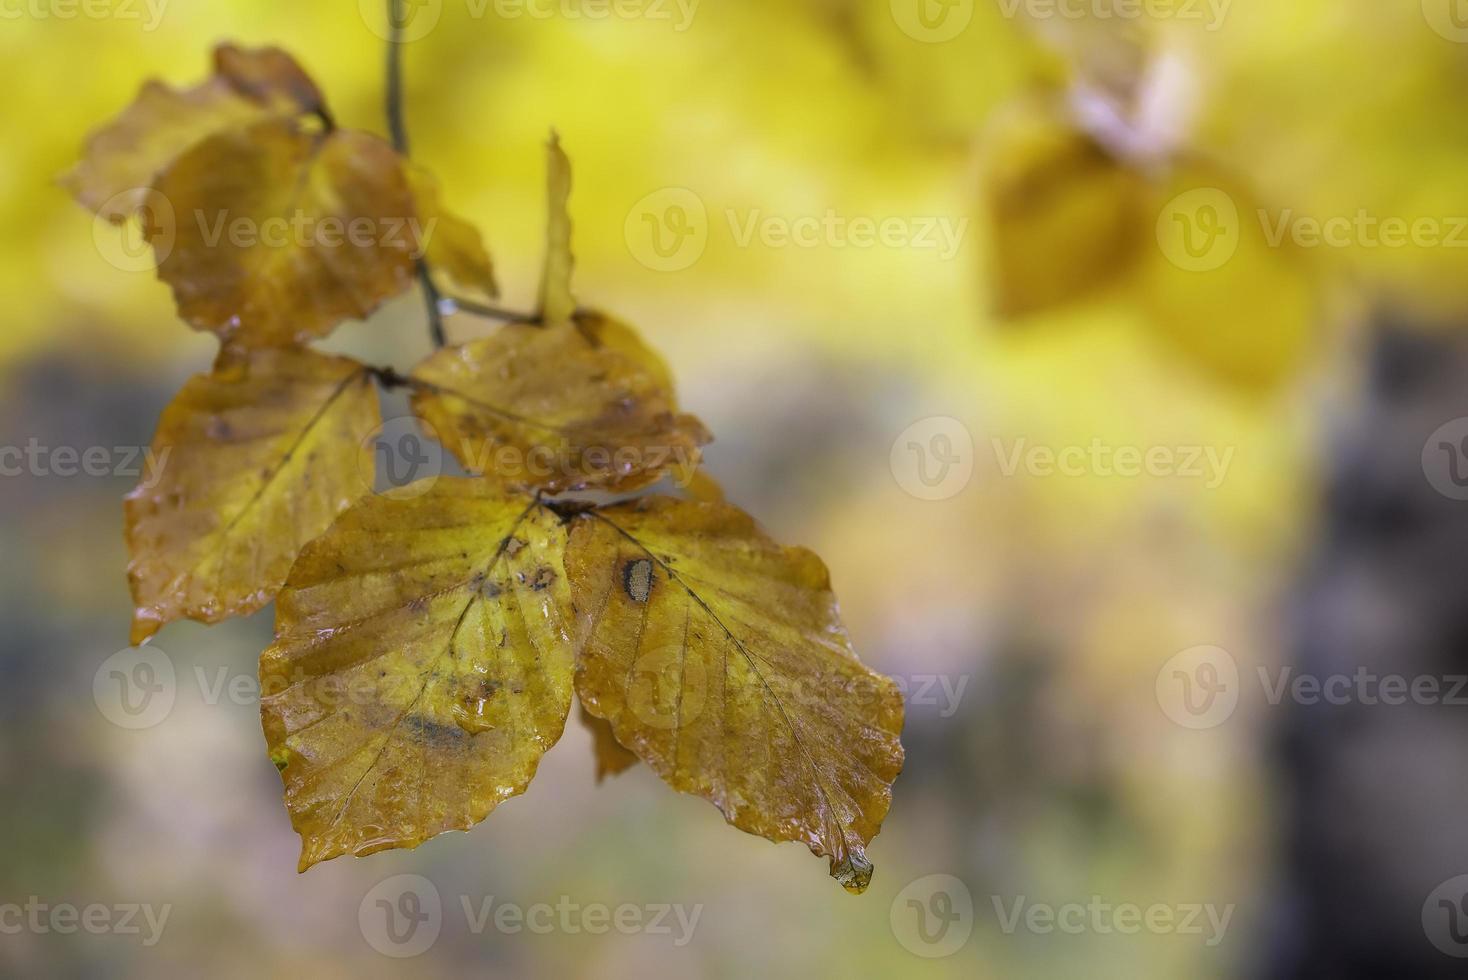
(718, 657)
(1065, 218)
(566, 406)
(282, 231)
(611, 757)
(121, 160)
(253, 460)
(557, 303)
(453, 248)
(421, 666)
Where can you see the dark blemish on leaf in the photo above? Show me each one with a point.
(491, 590)
(430, 731)
(637, 579)
(219, 430)
(513, 547)
(418, 604)
(543, 578)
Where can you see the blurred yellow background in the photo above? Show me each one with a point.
(1023, 158)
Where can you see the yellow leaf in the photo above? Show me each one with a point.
(1065, 218)
(250, 462)
(452, 246)
(120, 160)
(557, 304)
(1239, 306)
(280, 233)
(566, 406)
(718, 657)
(421, 666)
(611, 758)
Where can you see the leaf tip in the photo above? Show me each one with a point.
(854, 872)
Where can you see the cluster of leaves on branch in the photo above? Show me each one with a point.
(429, 639)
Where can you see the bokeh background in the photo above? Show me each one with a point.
(1098, 246)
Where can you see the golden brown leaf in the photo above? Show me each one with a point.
(256, 459)
(421, 666)
(121, 159)
(281, 232)
(1065, 218)
(611, 757)
(452, 246)
(557, 303)
(567, 406)
(718, 657)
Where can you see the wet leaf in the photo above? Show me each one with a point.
(567, 406)
(611, 757)
(557, 304)
(452, 246)
(718, 657)
(281, 232)
(250, 462)
(421, 666)
(121, 159)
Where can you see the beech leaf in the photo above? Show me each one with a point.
(254, 459)
(611, 757)
(566, 406)
(421, 666)
(281, 232)
(557, 303)
(452, 246)
(120, 160)
(718, 657)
